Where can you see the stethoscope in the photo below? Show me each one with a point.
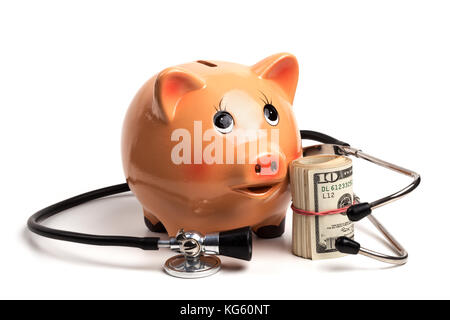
(198, 252)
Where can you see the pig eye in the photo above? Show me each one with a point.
(223, 121)
(271, 114)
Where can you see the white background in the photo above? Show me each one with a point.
(374, 73)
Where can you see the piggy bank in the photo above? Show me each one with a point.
(206, 146)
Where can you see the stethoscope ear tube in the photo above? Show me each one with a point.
(359, 210)
(350, 246)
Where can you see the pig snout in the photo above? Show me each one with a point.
(269, 164)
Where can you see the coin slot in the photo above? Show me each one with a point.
(207, 63)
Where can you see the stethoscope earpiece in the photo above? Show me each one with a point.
(358, 211)
(347, 245)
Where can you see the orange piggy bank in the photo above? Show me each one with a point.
(206, 146)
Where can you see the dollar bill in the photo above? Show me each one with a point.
(321, 184)
(331, 190)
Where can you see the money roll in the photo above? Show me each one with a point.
(320, 185)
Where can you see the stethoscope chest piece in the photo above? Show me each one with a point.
(201, 266)
(198, 252)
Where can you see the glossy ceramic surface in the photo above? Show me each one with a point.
(178, 105)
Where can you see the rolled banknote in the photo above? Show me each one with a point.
(320, 185)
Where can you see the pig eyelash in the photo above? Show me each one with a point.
(265, 99)
(220, 107)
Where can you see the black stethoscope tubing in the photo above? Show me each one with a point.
(343, 244)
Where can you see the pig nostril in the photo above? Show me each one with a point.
(273, 166)
(258, 168)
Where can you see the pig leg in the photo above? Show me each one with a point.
(271, 228)
(152, 223)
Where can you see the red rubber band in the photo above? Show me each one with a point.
(322, 213)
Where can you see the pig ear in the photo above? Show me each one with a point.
(170, 86)
(281, 68)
